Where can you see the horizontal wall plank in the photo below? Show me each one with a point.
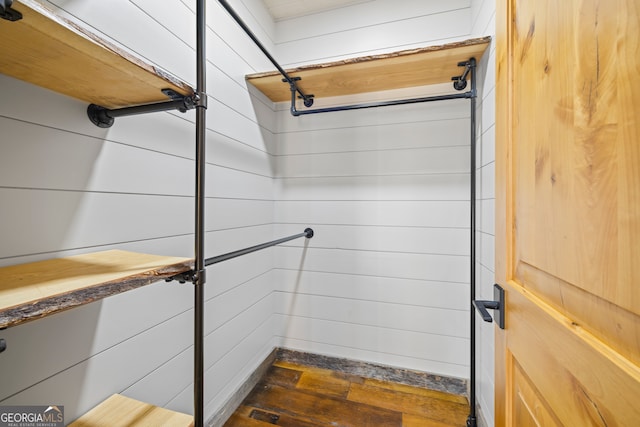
(224, 241)
(486, 214)
(248, 325)
(38, 157)
(488, 146)
(435, 160)
(236, 301)
(225, 276)
(221, 214)
(240, 357)
(405, 317)
(234, 125)
(410, 187)
(439, 348)
(406, 266)
(425, 29)
(481, 18)
(245, 185)
(236, 155)
(487, 182)
(415, 240)
(392, 136)
(454, 296)
(97, 165)
(370, 13)
(374, 213)
(77, 220)
(54, 220)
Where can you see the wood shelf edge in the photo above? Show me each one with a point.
(367, 58)
(89, 291)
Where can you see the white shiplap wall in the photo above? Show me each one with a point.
(483, 23)
(386, 279)
(69, 187)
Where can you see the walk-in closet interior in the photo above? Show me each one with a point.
(156, 203)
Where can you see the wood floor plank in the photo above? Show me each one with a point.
(424, 392)
(284, 377)
(409, 420)
(408, 403)
(256, 417)
(323, 410)
(329, 385)
(237, 420)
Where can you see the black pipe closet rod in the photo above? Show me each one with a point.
(308, 233)
(295, 112)
(308, 99)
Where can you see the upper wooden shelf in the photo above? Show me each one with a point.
(52, 52)
(407, 68)
(34, 290)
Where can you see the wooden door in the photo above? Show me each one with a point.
(568, 212)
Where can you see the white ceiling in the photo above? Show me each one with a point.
(285, 9)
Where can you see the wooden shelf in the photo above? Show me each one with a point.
(52, 52)
(407, 68)
(34, 290)
(121, 411)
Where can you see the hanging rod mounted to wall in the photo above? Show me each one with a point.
(104, 117)
(307, 99)
(459, 83)
(186, 277)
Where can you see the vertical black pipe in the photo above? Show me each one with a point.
(471, 421)
(200, 276)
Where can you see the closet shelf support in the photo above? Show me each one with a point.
(104, 117)
(460, 82)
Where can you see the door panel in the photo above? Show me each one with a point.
(530, 407)
(568, 212)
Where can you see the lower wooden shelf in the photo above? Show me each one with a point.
(121, 411)
(34, 290)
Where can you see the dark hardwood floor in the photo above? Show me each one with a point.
(302, 396)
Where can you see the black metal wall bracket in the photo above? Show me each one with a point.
(3, 345)
(187, 276)
(307, 98)
(6, 12)
(460, 82)
(104, 117)
(497, 304)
